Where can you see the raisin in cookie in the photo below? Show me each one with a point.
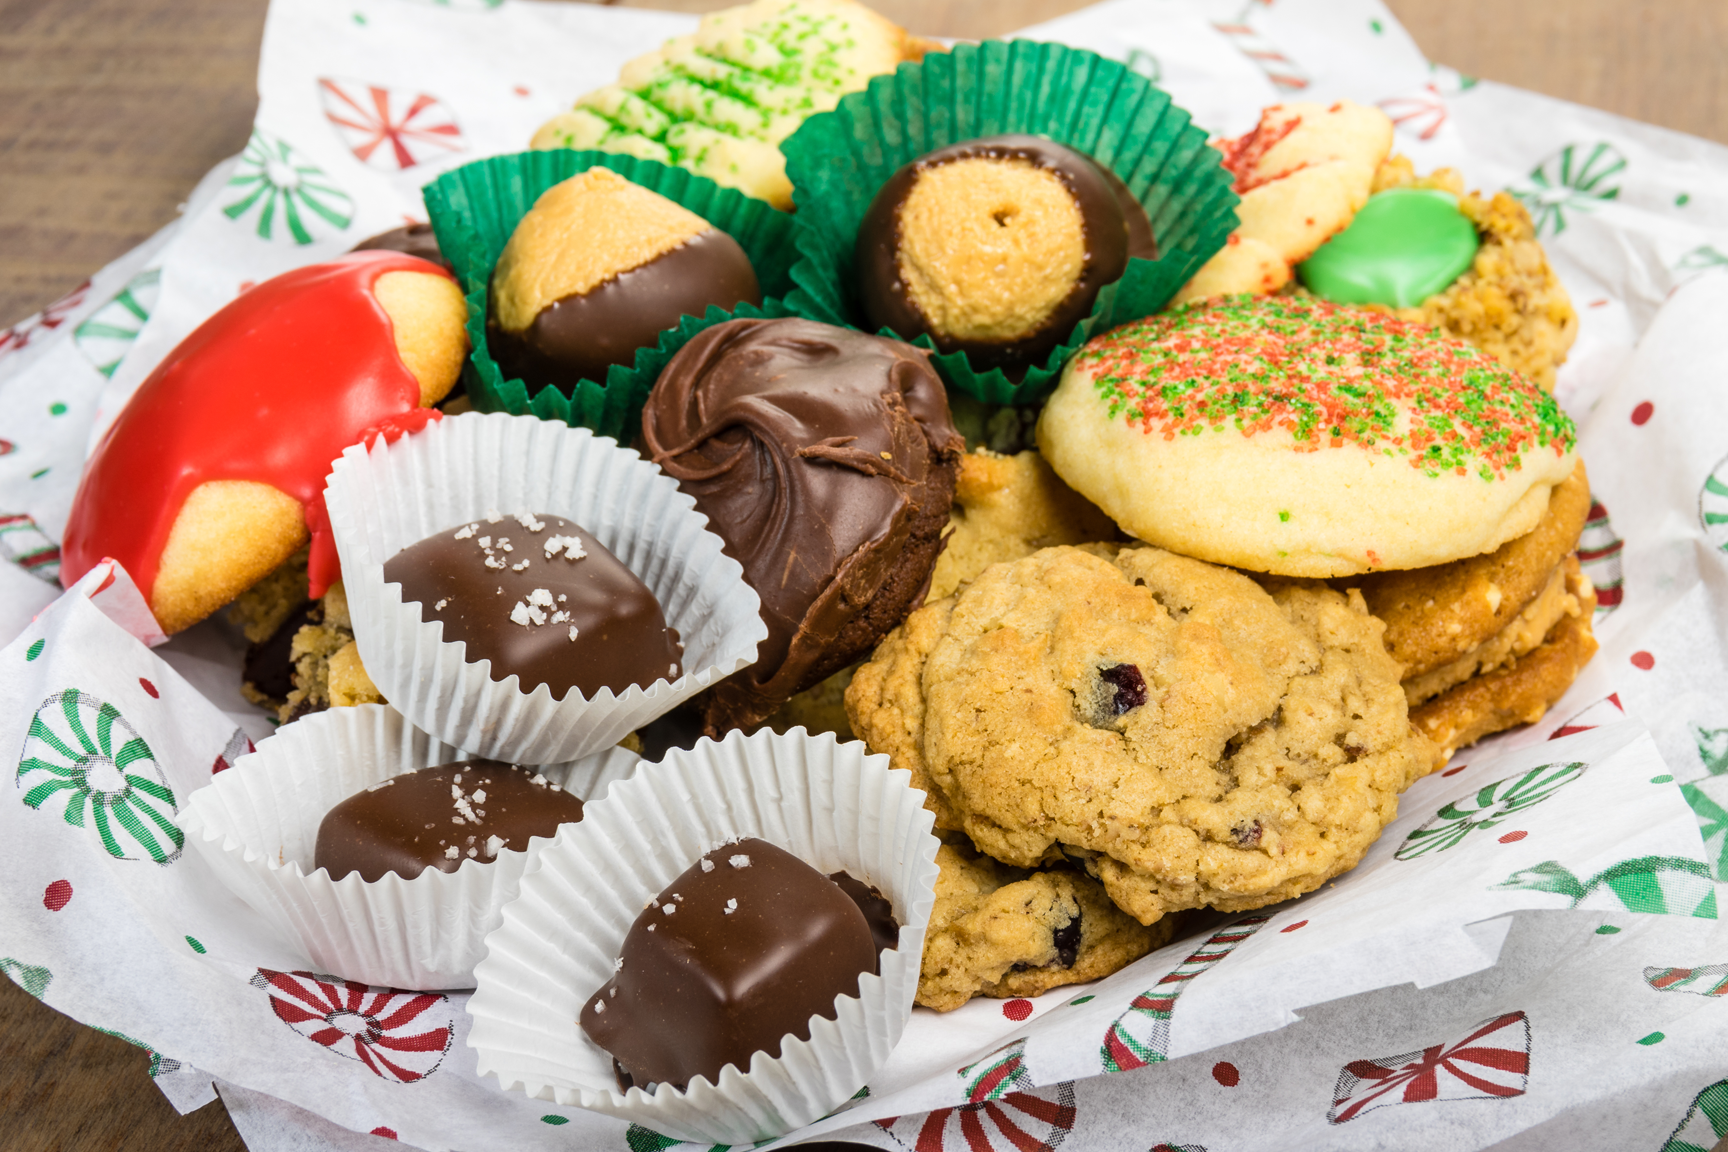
(999, 931)
(1193, 738)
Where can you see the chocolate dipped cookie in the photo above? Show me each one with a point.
(996, 247)
(825, 459)
(597, 269)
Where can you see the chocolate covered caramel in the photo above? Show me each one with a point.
(825, 460)
(440, 817)
(542, 600)
(741, 950)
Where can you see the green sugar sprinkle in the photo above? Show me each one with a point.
(1325, 377)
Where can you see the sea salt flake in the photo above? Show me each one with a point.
(479, 797)
(672, 672)
(668, 909)
(571, 546)
(731, 905)
(473, 852)
(529, 521)
(455, 792)
(452, 852)
(439, 607)
(573, 633)
(540, 779)
(707, 864)
(599, 1006)
(493, 515)
(485, 542)
(560, 617)
(494, 562)
(465, 532)
(540, 598)
(739, 861)
(519, 567)
(494, 845)
(650, 927)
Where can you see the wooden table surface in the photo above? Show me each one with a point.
(110, 111)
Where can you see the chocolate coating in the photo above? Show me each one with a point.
(1142, 245)
(878, 909)
(888, 304)
(414, 239)
(578, 337)
(521, 618)
(409, 823)
(825, 461)
(710, 984)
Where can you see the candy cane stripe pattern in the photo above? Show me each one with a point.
(389, 128)
(1710, 980)
(1704, 1124)
(1491, 1063)
(1487, 807)
(1141, 1035)
(82, 759)
(20, 335)
(1017, 1122)
(25, 545)
(399, 1036)
(1284, 72)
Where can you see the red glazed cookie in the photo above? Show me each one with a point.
(213, 473)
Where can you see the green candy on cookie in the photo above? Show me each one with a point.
(1404, 246)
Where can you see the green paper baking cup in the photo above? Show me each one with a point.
(475, 208)
(838, 160)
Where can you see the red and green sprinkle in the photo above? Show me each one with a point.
(1327, 377)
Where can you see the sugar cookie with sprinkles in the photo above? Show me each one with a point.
(1289, 436)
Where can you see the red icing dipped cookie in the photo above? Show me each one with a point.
(213, 474)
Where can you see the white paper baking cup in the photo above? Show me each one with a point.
(832, 805)
(465, 468)
(257, 825)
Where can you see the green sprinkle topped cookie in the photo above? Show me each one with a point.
(720, 100)
(1286, 435)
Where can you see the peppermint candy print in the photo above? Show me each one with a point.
(27, 546)
(1607, 710)
(1701, 259)
(1141, 1035)
(388, 128)
(399, 1036)
(1016, 1122)
(1491, 1063)
(84, 761)
(1286, 75)
(1661, 885)
(1574, 179)
(640, 1139)
(1599, 555)
(1710, 980)
(1421, 115)
(109, 332)
(31, 977)
(1487, 807)
(1712, 826)
(1001, 1072)
(291, 196)
(239, 744)
(1712, 748)
(1705, 1123)
(1713, 506)
(22, 334)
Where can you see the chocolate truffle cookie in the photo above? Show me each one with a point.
(824, 459)
(543, 601)
(996, 247)
(597, 269)
(440, 817)
(737, 953)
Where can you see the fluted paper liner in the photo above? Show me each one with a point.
(464, 468)
(257, 825)
(475, 208)
(838, 160)
(833, 805)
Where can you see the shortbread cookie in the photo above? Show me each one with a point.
(1290, 436)
(1436, 616)
(1001, 932)
(207, 480)
(1519, 693)
(1510, 303)
(720, 101)
(1193, 738)
(1007, 507)
(1302, 174)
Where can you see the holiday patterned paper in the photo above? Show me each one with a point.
(1532, 955)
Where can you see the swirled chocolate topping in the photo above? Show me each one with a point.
(739, 951)
(825, 460)
(541, 598)
(439, 818)
(996, 247)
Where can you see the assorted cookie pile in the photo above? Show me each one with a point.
(1138, 549)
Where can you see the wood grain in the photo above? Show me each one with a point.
(110, 111)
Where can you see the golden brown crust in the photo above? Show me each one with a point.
(229, 535)
(1517, 694)
(1524, 634)
(999, 931)
(427, 318)
(1437, 615)
(1006, 508)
